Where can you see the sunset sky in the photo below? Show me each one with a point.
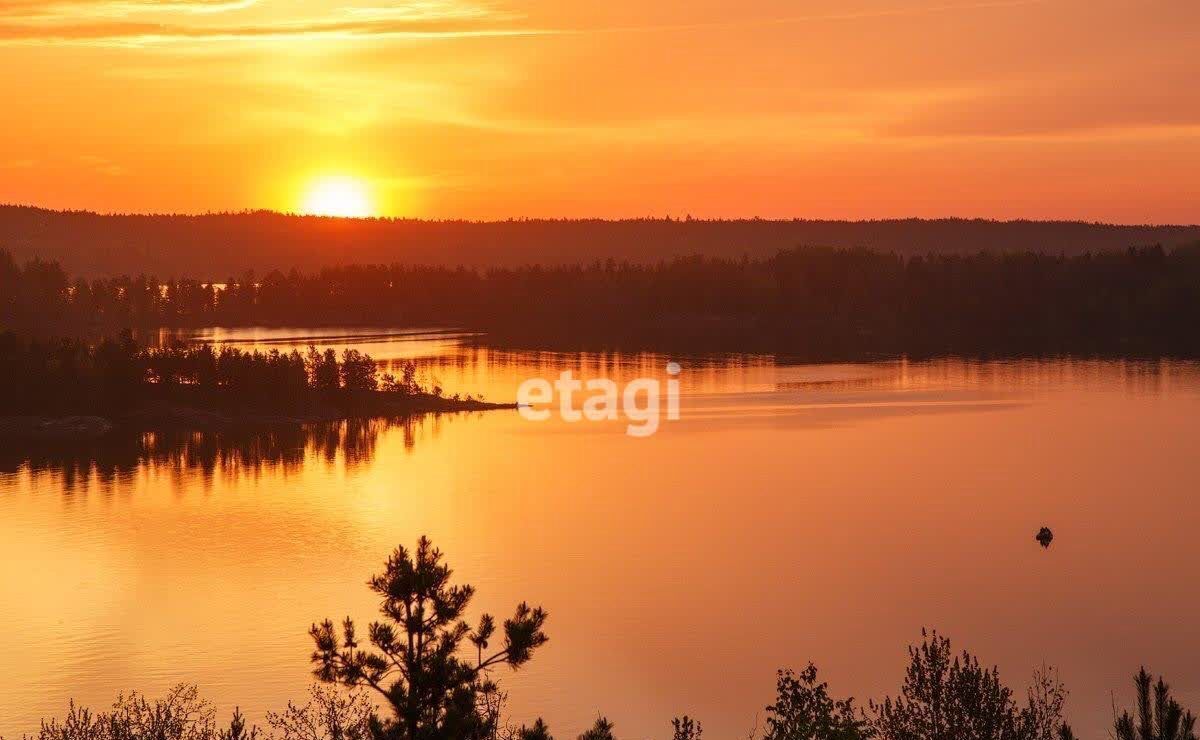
(473, 108)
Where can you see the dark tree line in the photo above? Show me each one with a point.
(76, 376)
(214, 245)
(818, 303)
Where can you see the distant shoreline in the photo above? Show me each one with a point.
(217, 246)
(812, 303)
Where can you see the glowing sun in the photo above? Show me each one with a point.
(347, 197)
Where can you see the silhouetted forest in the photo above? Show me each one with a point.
(196, 386)
(817, 303)
(422, 672)
(210, 247)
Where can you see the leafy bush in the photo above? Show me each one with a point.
(803, 710)
(179, 715)
(948, 697)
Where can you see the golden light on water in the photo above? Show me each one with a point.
(343, 196)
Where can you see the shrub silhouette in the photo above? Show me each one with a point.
(948, 697)
(685, 728)
(328, 715)
(434, 695)
(179, 715)
(803, 710)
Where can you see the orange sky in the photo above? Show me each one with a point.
(817, 108)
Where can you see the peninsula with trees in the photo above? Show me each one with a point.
(71, 389)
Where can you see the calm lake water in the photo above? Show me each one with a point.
(794, 513)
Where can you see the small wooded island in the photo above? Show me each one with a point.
(72, 389)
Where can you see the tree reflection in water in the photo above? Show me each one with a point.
(226, 453)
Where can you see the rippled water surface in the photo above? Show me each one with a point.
(794, 513)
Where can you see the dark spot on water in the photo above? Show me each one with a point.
(1044, 536)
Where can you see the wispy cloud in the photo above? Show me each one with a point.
(133, 34)
(1115, 105)
(101, 165)
(847, 15)
(50, 10)
(129, 22)
(424, 10)
(111, 22)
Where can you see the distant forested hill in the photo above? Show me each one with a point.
(218, 246)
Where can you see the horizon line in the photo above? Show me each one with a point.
(670, 218)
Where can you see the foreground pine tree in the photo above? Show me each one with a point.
(415, 661)
(1158, 718)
